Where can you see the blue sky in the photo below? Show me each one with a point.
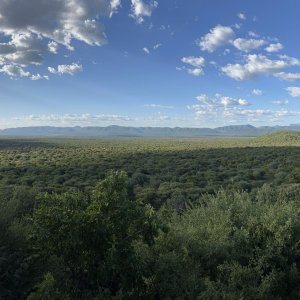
(149, 63)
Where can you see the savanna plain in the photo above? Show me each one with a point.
(150, 218)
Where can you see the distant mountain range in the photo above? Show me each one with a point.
(120, 131)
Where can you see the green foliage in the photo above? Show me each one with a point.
(93, 237)
(231, 246)
(46, 290)
(194, 219)
(159, 171)
(291, 138)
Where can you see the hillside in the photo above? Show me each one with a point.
(280, 138)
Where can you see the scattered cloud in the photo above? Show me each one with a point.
(280, 102)
(159, 106)
(294, 91)
(257, 64)
(196, 71)
(274, 47)
(155, 47)
(230, 110)
(218, 101)
(217, 37)
(196, 62)
(70, 120)
(14, 71)
(39, 77)
(257, 92)
(253, 34)
(288, 76)
(66, 69)
(53, 47)
(34, 29)
(65, 120)
(241, 16)
(146, 50)
(140, 9)
(247, 44)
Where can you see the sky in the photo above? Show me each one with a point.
(175, 63)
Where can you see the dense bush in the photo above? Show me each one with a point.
(193, 220)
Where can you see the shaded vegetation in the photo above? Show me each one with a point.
(186, 219)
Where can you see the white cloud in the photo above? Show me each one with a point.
(66, 69)
(288, 76)
(217, 37)
(53, 47)
(274, 47)
(39, 77)
(155, 47)
(65, 120)
(257, 92)
(196, 71)
(228, 101)
(294, 91)
(146, 50)
(219, 101)
(140, 9)
(34, 28)
(226, 52)
(247, 44)
(60, 20)
(194, 61)
(280, 102)
(258, 115)
(159, 106)
(114, 5)
(14, 71)
(241, 16)
(253, 34)
(258, 65)
(214, 110)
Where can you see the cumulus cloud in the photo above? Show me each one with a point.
(257, 64)
(59, 20)
(14, 71)
(39, 77)
(53, 47)
(274, 47)
(218, 101)
(196, 62)
(217, 37)
(257, 92)
(34, 28)
(288, 76)
(196, 71)
(294, 91)
(66, 69)
(230, 110)
(247, 44)
(140, 9)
